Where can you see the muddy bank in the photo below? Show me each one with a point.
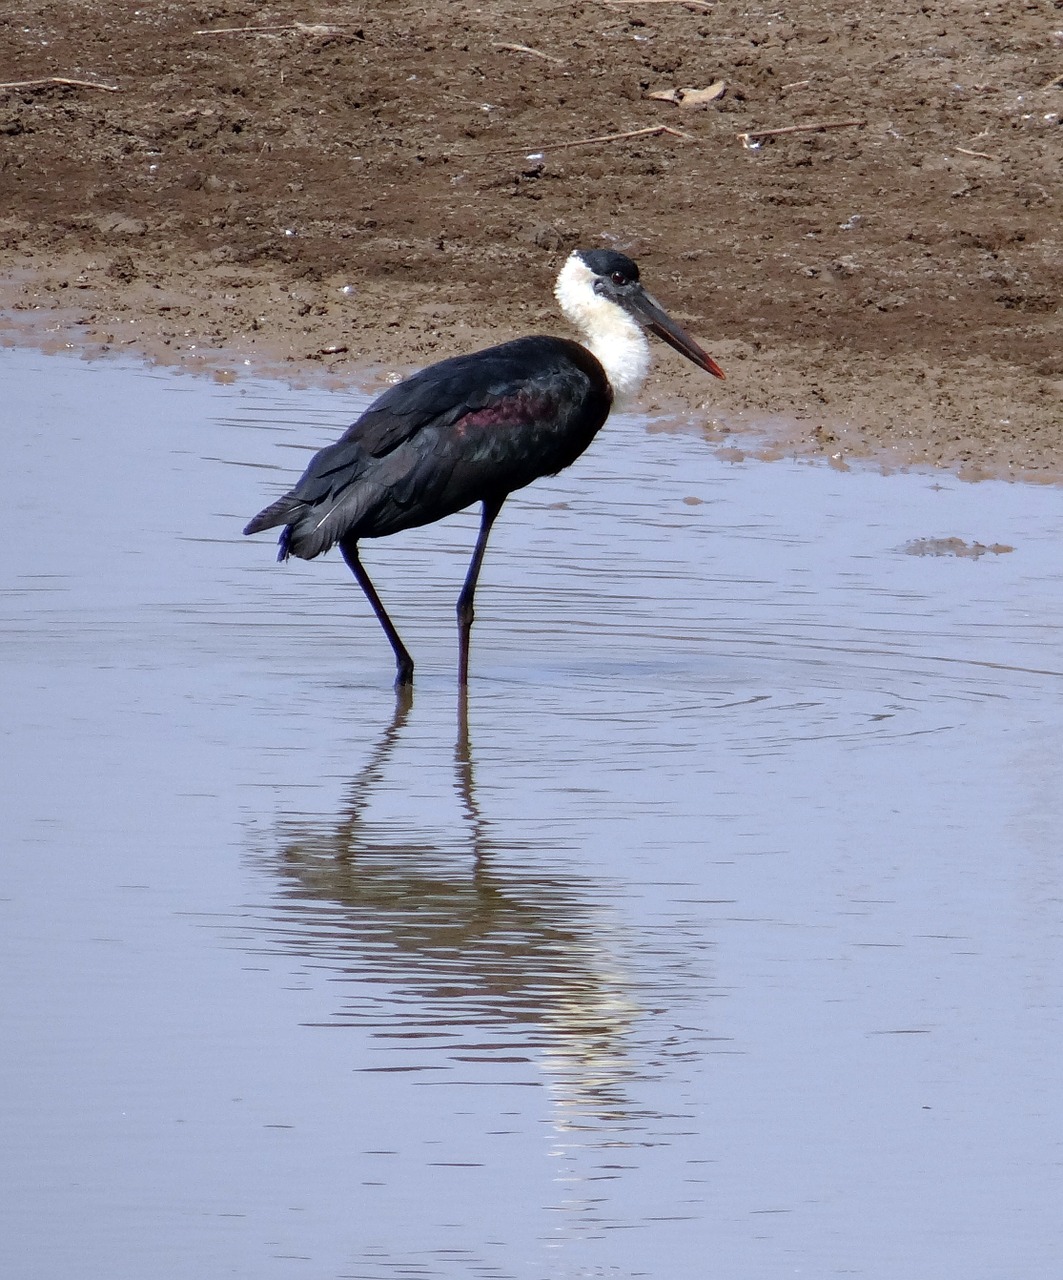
(355, 186)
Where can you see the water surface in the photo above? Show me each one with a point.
(728, 943)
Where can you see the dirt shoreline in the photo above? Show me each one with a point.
(359, 190)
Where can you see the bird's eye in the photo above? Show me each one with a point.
(619, 277)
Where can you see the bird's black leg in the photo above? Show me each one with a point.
(465, 610)
(404, 663)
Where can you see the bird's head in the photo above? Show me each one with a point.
(594, 282)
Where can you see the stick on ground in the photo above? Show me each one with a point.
(752, 134)
(692, 4)
(524, 48)
(308, 28)
(48, 80)
(604, 137)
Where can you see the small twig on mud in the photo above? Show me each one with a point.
(604, 137)
(979, 155)
(1054, 82)
(750, 135)
(524, 48)
(47, 80)
(795, 84)
(310, 28)
(691, 4)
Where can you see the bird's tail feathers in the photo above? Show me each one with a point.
(311, 528)
(284, 511)
(279, 512)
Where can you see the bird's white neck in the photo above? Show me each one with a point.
(611, 335)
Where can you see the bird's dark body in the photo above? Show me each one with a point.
(470, 429)
(476, 428)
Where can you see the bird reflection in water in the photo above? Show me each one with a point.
(451, 960)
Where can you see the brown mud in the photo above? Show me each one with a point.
(350, 185)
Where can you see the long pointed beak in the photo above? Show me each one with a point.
(649, 312)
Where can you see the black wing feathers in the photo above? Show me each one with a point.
(471, 427)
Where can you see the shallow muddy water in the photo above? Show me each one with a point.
(729, 944)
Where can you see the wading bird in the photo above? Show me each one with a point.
(475, 428)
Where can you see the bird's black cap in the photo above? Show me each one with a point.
(606, 262)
